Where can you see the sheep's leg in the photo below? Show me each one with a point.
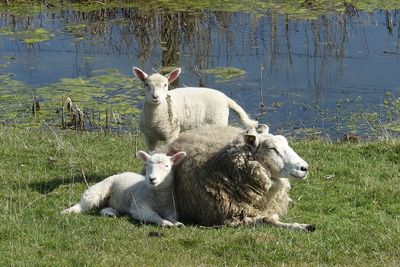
(293, 226)
(174, 135)
(151, 145)
(175, 222)
(109, 212)
(147, 215)
(172, 219)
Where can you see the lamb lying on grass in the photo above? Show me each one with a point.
(231, 177)
(166, 113)
(146, 198)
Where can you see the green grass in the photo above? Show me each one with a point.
(352, 195)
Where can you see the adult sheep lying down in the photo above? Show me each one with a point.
(231, 177)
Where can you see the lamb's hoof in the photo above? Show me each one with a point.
(73, 209)
(167, 224)
(310, 228)
(179, 224)
(66, 211)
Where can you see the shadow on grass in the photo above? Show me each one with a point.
(46, 187)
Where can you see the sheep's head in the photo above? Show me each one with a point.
(274, 153)
(156, 85)
(159, 167)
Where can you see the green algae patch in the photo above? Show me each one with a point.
(224, 74)
(34, 36)
(108, 95)
(299, 9)
(78, 30)
(6, 32)
(105, 90)
(75, 28)
(15, 99)
(22, 8)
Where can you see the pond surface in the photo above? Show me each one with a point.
(333, 73)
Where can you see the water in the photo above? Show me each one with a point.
(336, 74)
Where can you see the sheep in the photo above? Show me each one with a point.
(146, 198)
(235, 177)
(166, 113)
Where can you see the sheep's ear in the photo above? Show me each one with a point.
(143, 155)
(141, 75)
(173, 75)
(251, 138)
(262, 129)
(178, 157)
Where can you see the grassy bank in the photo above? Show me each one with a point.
(352, 195)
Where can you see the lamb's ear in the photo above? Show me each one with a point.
(143, 155)
(178, 157)
(141, 75)
(173, 75)
(251, 138)
(263, 128)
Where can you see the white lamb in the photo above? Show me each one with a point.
(166, 113)
(232, 177)
(146, 198)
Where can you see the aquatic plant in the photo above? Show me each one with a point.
(34, 36)
(78, 30)
(107, 95)
(299, 9)
(106, 90)
(224, 74)
(6, 31)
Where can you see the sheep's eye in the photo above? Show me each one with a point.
(165, 85)
(274, 149)
(167, 166)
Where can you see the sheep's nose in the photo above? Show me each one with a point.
(304, 167)
(156, 98)
(152, 179)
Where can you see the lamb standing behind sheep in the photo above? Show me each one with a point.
(231, 178)
(166, 113)
(146, 198)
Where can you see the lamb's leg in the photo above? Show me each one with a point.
(77, 208)
(147, 215)
(293, 226)
(94, 196)
(109, 212)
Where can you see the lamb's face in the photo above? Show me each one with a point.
(159, 167)
(158, 170)
(156, 85)
(275, 154)
(156, 88)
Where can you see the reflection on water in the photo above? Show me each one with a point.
(335, 74)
